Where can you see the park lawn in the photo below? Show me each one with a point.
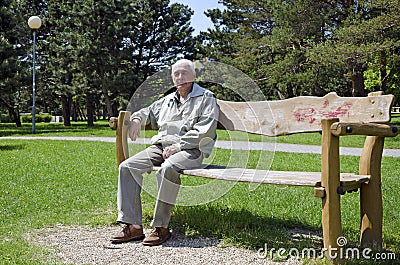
(102, 129)
(45, 183)
(80, 128)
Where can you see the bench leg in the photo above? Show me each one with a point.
(371, 208)
(331, 215)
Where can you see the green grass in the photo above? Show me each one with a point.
(45, 183)
(101, 129)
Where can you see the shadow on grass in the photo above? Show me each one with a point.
(243, 228)
(10, 147)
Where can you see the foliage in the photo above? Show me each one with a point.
(93, 55)
(100, 51)
(38, 118)
(293, 48)
(13, 60)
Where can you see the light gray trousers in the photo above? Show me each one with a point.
(130, 180)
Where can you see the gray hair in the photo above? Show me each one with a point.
(185, 62)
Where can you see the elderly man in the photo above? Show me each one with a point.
(186, 122)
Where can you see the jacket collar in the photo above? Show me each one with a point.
(197, 91)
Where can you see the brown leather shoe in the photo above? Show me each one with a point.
(128, 233)
(158, 236)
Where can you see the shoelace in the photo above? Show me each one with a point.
(126, 230)
(156, 232)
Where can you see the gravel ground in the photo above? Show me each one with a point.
(84, 245)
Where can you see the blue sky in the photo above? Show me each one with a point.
(199, 21)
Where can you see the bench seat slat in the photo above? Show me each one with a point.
(291, 178)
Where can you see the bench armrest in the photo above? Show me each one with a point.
(371, 129)
(121, 125)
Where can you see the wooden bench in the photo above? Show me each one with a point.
(334, 116)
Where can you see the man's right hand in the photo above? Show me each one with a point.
(134, 129)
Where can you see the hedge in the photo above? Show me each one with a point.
(38, 118)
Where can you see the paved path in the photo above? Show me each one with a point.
(235, 145)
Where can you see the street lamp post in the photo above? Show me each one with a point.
(34, 23)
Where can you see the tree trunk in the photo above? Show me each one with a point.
(74, 111)
(289, 90)
(382, 68)
(104, 112)
(81, 115)
(357, 81)
(16, 117)
(66, 101)
(115, 110)
(14, 113)
(90, 110)
(108, 103)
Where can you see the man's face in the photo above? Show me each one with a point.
(183, 77)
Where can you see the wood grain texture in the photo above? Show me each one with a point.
(371, 205)
(357, 128)
(121, 140)
(289, 178)
(330, 180)
(302, 114)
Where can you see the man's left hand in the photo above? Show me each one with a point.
(169, 151)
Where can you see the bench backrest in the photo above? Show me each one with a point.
(302, 114)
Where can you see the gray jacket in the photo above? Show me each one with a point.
(187, 125)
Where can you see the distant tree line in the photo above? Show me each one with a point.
(293, 48)
(92, 55)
